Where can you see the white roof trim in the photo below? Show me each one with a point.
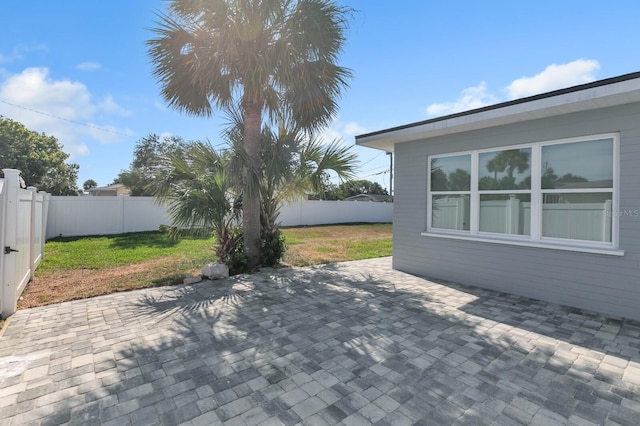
(541, 106)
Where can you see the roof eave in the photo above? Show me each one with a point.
(601, 94)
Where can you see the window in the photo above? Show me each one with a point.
(577, 190)
(504, 186)
(550, 193)
(451, 191)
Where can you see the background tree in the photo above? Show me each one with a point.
(439, 180)
(550, 180)
(355, 187)
(510, 161)
(459, 180)
(39, 157)
(88, 184)
(264, 57)
(147, 156)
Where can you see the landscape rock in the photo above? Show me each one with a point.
(215, 271)
(190, 279)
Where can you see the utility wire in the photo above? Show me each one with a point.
(384, 172)
(375, 169)
(65, 119)
(367, 162)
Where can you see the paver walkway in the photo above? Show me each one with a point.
(353, 343)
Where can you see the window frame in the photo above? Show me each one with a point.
(535, 238)
(450, 192)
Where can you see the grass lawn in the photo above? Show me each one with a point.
(81, 267)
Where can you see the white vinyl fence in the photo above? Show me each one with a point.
(583, 221)
(304, 213)
(75, 216)
(23, 220)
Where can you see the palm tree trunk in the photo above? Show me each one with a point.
(251, 195)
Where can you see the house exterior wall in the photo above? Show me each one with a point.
(599, 282)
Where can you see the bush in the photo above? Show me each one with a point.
(272, 248)
(230, 251)
(164, 229)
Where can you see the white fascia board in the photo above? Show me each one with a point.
(619, 93)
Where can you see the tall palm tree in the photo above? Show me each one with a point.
(270, 58)
(291, 164)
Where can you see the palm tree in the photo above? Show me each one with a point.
(266, 57)
(295, 164)
(510, 161)
(200, 185)
(496, 165)
(200, 194)
(291, 164)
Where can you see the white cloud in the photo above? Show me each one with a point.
(89, 66)
(109, 106)
(18, 52)
(353, 129)
(56, 107)
(106, 134)
(340, 131)
(470, 98)
(7, 58)
(554, 77)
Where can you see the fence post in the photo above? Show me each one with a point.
(513, 215)
(46, 198)
(3, 216)
(32, 231)
(121, 199)
(607, 221)
(10, 232)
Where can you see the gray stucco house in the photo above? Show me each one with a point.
(538, 197)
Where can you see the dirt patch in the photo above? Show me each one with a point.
(55, 287)
(328, 244)
(307, 246)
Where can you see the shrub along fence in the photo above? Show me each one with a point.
(23, 220)
(75, 216)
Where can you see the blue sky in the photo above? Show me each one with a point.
(82, 65)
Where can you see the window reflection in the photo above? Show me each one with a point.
(577, 216)
(451, 173)
(578, 165)
(571, 198)
(451, 212)
(505, 213)
(501, 170)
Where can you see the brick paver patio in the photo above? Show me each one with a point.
(352, 343)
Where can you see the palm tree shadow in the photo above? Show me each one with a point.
(189, 301)
(143, 239)
(359, 330)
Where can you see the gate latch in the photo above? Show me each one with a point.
(8, 250)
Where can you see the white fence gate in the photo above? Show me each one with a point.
(23, 219)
